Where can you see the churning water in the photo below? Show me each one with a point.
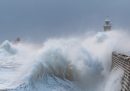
(74, 64)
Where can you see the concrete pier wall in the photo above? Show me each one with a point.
(122, 61)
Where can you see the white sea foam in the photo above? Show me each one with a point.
(75, 64)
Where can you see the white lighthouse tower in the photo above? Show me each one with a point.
(107, 25)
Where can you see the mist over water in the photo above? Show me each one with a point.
(65, 64)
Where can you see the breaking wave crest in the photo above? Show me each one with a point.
(75, 64)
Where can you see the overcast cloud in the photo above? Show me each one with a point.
(42, 19)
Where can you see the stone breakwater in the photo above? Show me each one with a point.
(122, 61)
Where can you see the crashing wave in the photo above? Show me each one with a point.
(8, 47)
(60, 65)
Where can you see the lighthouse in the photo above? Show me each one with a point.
(107, 25)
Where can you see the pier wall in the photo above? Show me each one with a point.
(122, 61)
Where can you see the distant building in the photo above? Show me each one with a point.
(107, 25)
(17, 40)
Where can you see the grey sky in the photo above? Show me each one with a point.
(41, 19)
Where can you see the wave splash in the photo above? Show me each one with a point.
(75, 64)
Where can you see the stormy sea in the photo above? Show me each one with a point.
(63, 64)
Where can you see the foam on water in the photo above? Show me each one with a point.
(75, 64)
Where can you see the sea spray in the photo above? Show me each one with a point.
(113, 81)
(75, 64)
